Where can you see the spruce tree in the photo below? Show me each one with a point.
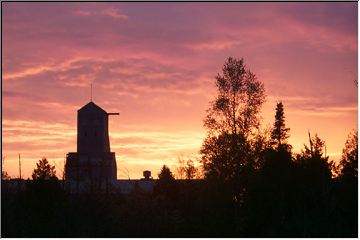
(280, 133)
(44, 171)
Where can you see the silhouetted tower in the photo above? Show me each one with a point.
(93, 131)
(93, 162)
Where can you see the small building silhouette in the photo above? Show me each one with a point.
(93, 162)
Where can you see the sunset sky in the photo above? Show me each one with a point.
(155, 63)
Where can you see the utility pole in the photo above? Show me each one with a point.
(19, 167)
(311, 144)
(19, 180)
(91, 93)
(63, 171)
(2, 166)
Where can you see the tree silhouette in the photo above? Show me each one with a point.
(313, 188)
(347, 191)
(180, 169)
(312, 159)
(166, 185)
(222, 156)
(44, 171)
(186, 169)
(232, 124)
(4, 174)
(240, 96)
(349, 159)
(42, 202)
(280, 133)
(190, 169)
(269, 203)
(165, 174)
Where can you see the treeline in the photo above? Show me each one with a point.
(271, 191)
(252, 185)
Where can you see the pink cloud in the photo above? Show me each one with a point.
(214, 45)
(114, 13)
(111, 12)
(83, 13)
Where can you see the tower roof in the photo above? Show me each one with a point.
(92, 107)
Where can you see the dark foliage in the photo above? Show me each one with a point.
(44, 171)
(229, 152)
(280, 133)
(166, 186)
(285, 198)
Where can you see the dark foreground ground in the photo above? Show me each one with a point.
(194, 209)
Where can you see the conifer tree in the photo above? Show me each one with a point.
(166, 185)
(280, 133)
(44, 171)
(349, 159)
